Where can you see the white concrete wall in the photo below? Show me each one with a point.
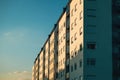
(76, 38)
(62, 47)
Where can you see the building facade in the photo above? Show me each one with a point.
(84, 43)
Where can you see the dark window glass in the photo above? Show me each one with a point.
(80, 30)
(80, 47)
(71, 68)
(91, 61)
(80, 63)
(67, 68)
(75, 66)
(91, 45)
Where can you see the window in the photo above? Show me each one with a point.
(91, 15)
(81, 47)
(80, 15)
(75, 66)
(80, 30)
(80, 63)
(71, 68)
(72, 12)
(64, 36)
(75, 51)
(72, 26)
(80, 1)
(91, 61)
(64, 24)
(67, 68)
(75, 21)
(56, 75)
(75, 7)
(91, 45)
(75, 37)
(71, 40)
(72, 54)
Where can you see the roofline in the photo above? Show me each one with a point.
(55, 26)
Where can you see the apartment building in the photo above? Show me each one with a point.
(84, 43)
(90, 39)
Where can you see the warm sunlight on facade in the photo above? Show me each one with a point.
(80, 44)
(33, 73)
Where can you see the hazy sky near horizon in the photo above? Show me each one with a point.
(24, 27)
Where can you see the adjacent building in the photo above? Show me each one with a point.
(116, 39)
(84, 43)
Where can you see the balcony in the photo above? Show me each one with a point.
(68, 10)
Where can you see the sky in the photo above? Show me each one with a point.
(24, 27)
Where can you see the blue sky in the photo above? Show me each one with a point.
(24, 27)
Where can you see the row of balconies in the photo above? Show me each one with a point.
(56, 52)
